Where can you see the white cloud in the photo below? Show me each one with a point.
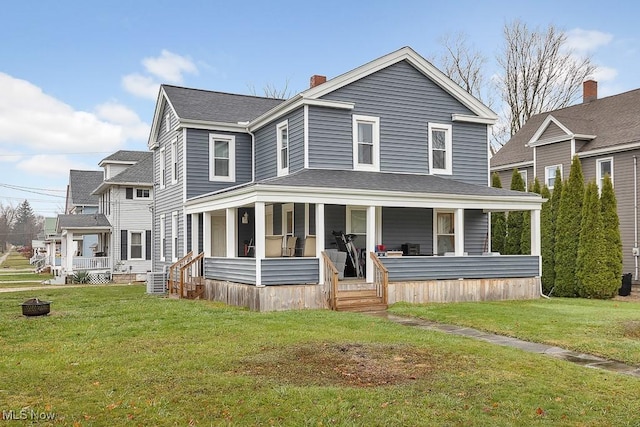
(33, 120)
(132, 126)
(53, 166)
(168, 67)
(586, 41)
(603, 73)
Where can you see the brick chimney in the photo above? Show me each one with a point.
(589, 91)
(317, 80)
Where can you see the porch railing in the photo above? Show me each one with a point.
(174, 273)
(330, 279)
(380, 278)
(191, 278)
(91, 263)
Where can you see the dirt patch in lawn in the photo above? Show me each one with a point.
(349, 364)
(632, 329)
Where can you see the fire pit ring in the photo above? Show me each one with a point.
(35, 307)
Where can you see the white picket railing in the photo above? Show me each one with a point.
(91, 263)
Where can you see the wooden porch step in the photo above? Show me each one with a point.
(359, 300)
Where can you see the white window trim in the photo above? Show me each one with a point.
(288, 207)
(167, 122)
(375, 166)
(435, 228)
(163, 246)
(143, 242)
(448, 141)
(282, 125)
(232, 157)
(523, 174)
(350, 209)
(135, 193)
(163, 168)
(599, 176)
(546, 174)
(174, 161)
(174, 236)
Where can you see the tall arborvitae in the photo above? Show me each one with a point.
(525, 239)
(568, 232)
(611, 227)
(513, 242)
(547, 241)
(498, 222)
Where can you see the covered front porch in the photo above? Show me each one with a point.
(272, 235)
(84, 243)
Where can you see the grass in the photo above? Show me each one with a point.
(15, 261)
(610, 329)
(111, 355)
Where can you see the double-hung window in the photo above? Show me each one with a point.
(366, 143)
(604, 168)
(523, 175)
(440, 149)
(222, 154)
(282, 135)
(136, 245)
(550, 175)
(142, 193)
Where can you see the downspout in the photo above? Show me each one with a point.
(635, 214)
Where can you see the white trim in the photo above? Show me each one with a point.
(535, 141)
(535, 162)
(174, 160)
(231, 222)
(306, 219)
(231, 141)
(184, 169)
(286, 208)
(293, 104)
(163, 168)
(512, 166)
(489, 155)
(348, 225)
(435, 228)
(609, 150)
(194, 232)
(213, 126)
(448, 169)
(524, 178)
(599, 176)
(259, 240)
(375, 150)
(573, 147)
(546, 174)
(143, 244)
(174, 235)
(162, 99)
(465, 118)
(306, 136)
(163, 232)
(280, 127)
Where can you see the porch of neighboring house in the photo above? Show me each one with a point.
(283, 254)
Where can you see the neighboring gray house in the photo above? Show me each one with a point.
(393, 152)
(604, 134)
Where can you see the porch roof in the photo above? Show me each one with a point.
(83, 222)
(364, 188)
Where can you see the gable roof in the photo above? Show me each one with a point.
(606, 124)
(124, 156)
(140, 174)
(81, 186)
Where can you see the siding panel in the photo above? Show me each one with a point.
(290, 271)
(553, 154)
(475, 232)
(267, 145)
(240, 270)
(407, 225)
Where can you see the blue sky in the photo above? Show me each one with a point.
(78, 79)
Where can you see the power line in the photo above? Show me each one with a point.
(31, 191)
(57, 154)
(31, 188)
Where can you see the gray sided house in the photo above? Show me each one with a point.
(392, 153)
(604, 134)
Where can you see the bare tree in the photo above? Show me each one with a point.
(7, 219)
(538, 72)
(270, 90)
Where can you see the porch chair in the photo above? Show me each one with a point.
(309, 246)
(273, 246)
(290, 248)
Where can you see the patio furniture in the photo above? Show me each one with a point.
(339, 259)
(309, 249)
(290, 248)
(273, 246)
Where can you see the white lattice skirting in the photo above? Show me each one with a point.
(99, 278)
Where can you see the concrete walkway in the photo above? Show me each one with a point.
(586, 360)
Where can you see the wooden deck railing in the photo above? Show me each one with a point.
(380, 278)
(191, 278)
(330, 279)
(173, 282)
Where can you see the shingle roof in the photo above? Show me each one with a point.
(197, 104)
(140, 173)
(429, 184)
(125, 156)
(614, 120)
(82, 184)
(82, 221)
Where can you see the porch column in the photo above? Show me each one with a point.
(206, 234)
(489, 232)
(535, 237)
(69, 252)
(259, 240)
(232, 225)
(371, 241)
(320, 239)
(459, 232)
(194, 233)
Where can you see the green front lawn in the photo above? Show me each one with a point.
(115, 356)
(605, 328)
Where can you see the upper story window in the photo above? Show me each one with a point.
(523, 175)
(550, 175)
(366, 143)
(142, 193)
(282, 131)
(440, 149)
(604, 167)
(163, 168)
(222, 154)
(174, 161)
